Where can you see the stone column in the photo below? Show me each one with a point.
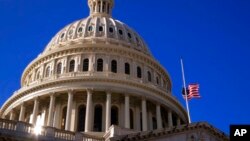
(101, 6)
(22, 113)
(144, 115)
(51, 110)
(35, 111)
(108, 111)
(69, 110)
(158, 117)
(178, 121)
(88, 121)
(170, 118)
(127, 113)
(12, 115)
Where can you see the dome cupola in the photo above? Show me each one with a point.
(101, 7)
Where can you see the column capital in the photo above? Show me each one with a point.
(90, 90)
(36, 98)
(108, 92)
(70, 91)
(52, 94)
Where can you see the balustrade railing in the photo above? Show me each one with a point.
(14, 128)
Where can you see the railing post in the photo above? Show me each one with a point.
(50, 133)
(20, 127)
(78, 137)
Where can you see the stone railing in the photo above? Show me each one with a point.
(26, 131)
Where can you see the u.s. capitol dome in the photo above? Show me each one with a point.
(94, 74)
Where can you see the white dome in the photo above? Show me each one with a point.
(98, 28)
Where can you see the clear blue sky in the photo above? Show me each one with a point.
(211, 35)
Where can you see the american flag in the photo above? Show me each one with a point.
(192, 91)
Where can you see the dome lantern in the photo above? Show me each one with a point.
(101, 7)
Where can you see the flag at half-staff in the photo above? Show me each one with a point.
(192, 91)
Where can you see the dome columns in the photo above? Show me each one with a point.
(170, 118)
(69, 109)
(88, 119)
(101, 7)
(51, 110)
(127, 113)
(131, 109)
(108, 111)
(35, 111)
(12, 115)
(144, 115)
(22, 112)
(158, 116)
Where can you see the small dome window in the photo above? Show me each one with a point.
(120, 32)
(62, 35)
(90, 28)
(137, 40)
(79, 29)
(129, 35)
(111, 29)
(100, 28)
(71, 32)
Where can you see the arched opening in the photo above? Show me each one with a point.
(59, 68)
(47, 72)
(99, 65)
(131, 114)
(157, 80)
(81, 118)
(154, 123)
(98, 118)
(72, 66)
(164, 114)
(139, 72)
(149, 76)
(174, 120)
(85, 66)
(114, 115)
(63, 121)
(127, 68)
(114, 66)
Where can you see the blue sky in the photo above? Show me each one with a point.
(211, 35)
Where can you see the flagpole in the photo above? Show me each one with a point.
(185, 90)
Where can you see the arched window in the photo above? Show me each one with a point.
(81, 118)
(85, 66)
(131, 119)
(63, 121)
(72, 66)
(157, 80)
(98, 118)
(99, 65)
(138, 72)
(149, 76)
(59, 68)
(127, 68)
(47, 72)
(114, 66)
(114, 115)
